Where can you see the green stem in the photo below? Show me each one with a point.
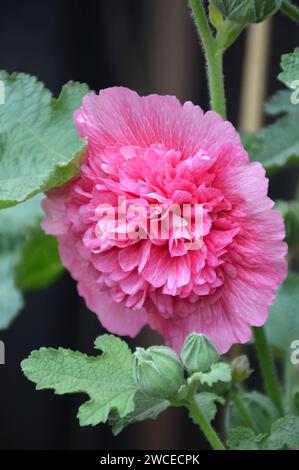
(288, 372)
(267, 367)
(291, 10)
(204, 424)
(245, 414)
(213, 58)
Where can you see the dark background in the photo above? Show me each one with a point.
(150, 46)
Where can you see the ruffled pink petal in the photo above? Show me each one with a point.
(153, 151)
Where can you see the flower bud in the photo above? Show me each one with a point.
(240, 368)
(198, 353)
(158, 371)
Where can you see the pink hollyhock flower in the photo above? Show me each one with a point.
(154, 150)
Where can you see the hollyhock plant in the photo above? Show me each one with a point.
(163, 219)
(153, 150)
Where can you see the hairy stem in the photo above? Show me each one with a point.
(242, 408)
(213, 57)
(289, 379)
(291, 10)
(204, 424)
(267, 367)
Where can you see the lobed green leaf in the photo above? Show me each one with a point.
(107, 379)
(290, 69)
(39, 145)
(284, 435)
(219, 372)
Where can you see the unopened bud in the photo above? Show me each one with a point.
(240, 368)
(158, 371)
(198, 353)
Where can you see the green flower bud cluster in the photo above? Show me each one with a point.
(159, 372)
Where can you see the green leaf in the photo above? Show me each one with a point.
(219, 372)
(17, 222)
(247, 139)
(11, 300)
(295, 391)
(290, 212)
(15, 225)
(207, 401)
(277, 145)
(215, 17)
(282, 326)
(284, 435)
(146, 408)
(290, 69)
(107, 379)
(227, 34)
(280, 103)
(39, 264)
(39, 145)
(242, 438)
(28, 258)
(259, 406)
(247, 11)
